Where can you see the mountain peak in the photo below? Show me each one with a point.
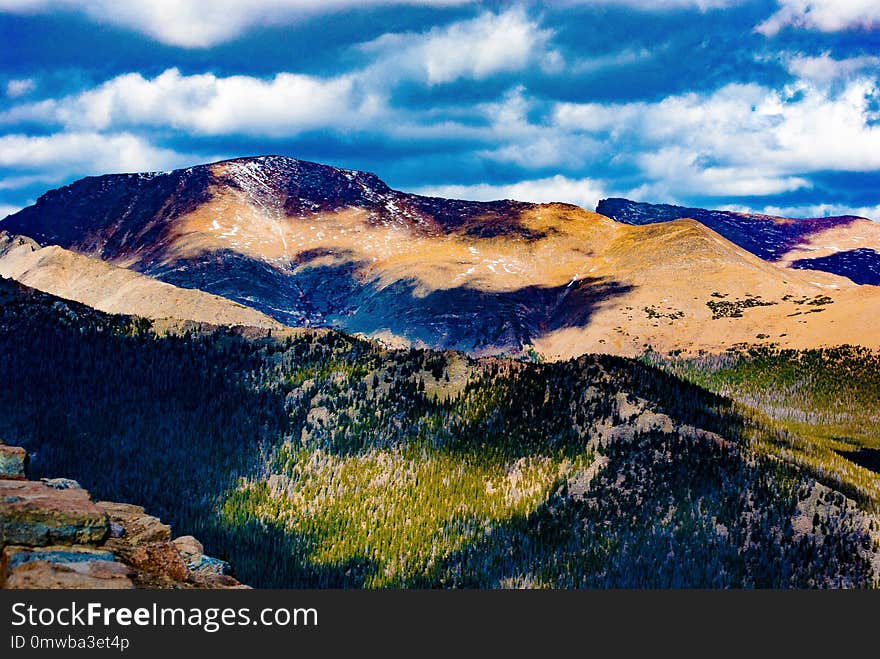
(843, 245)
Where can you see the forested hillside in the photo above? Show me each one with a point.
(318, 460)
(824, 404)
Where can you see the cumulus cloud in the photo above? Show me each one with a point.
(740, 139)
(824, 69)
(207, 104)
(823, 15)
(8, 209)
(680, 172)
(20, 87)
(474, 49)
(202, 23)
(584, 192)
(516, 139)
(79, 153)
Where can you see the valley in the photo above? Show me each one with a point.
(318, 460)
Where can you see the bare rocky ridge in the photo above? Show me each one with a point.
(112, 289)
(311, 245)
(52, 535)
(844, 245)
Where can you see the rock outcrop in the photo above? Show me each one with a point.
(52, 535)
(13, 462)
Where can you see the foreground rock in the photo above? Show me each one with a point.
(52, 535)
(13, 462)
(76, 567)
(194, 554)
(133, 526)
(35, 513)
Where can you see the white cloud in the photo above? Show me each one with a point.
(823, 15)
(660, 5)
(7, 209)
(517, 140)
(681, 173)
(611, 60)
(80, 153)
(477, 48)
(17, 182)
(740, 139)
(20, 87)
(824, 70)
(823, 210)
(545, 149)
(206, 104)
(584, 192)
(202, 23)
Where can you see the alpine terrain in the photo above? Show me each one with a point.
(332, 383)
(314, 246)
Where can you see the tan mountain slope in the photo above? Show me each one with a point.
(315, 246)
(671, 285)
(691, 289)
(858, 234)
(113, 289)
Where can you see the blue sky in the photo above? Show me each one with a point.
(766, 105)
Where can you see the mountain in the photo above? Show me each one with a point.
(109, 288)
(316, 246)
(318, 460)
(844, 245)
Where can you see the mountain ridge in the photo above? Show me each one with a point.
(312, 245)
(845, 245)
(109, 288)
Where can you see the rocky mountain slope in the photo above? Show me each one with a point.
(844, 245)
(109, 288)
(52, 535)
(315, 246)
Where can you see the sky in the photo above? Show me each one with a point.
(756, 105)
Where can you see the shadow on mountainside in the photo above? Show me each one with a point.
(860, 265)
(265, 555)
(335, 295)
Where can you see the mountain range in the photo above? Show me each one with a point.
(265, 343)
(270, 241)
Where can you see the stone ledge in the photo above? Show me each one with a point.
(45, 567)
(36, 514)
(52, 535)
(91, 575)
